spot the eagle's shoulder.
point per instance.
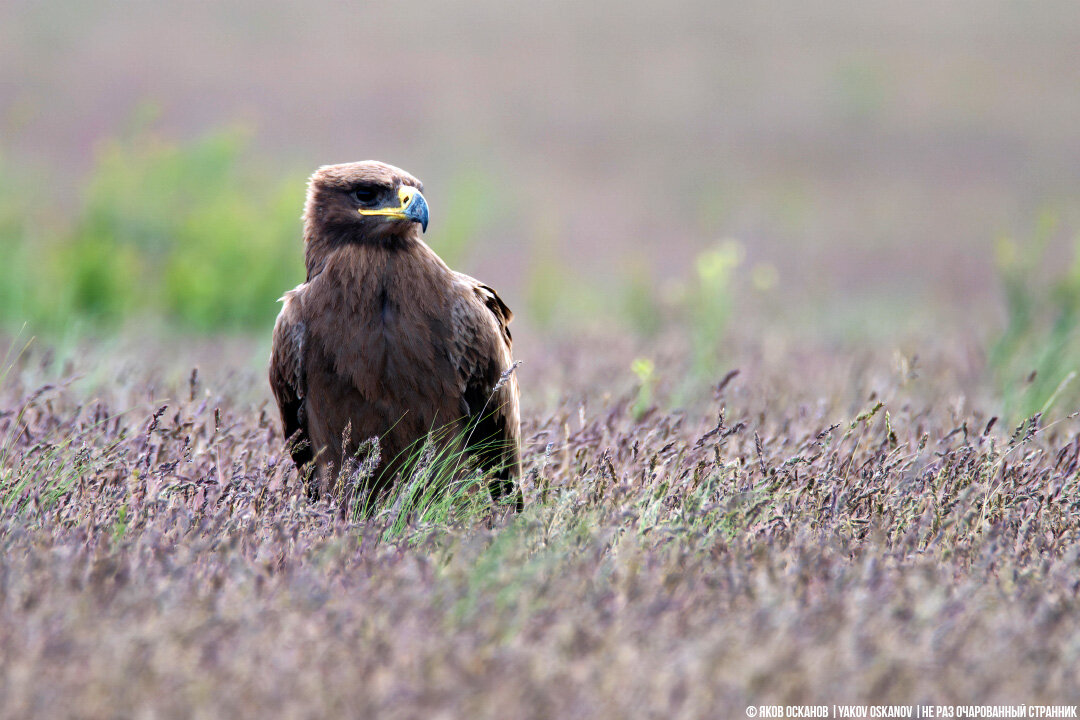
(477, 299)
(493, 302)
(481, 340)
(293, 296)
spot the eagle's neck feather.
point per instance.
(321, 244)
(375, 275)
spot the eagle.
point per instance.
(383, 340)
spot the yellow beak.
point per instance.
(411, 206)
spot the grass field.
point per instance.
(836, 522)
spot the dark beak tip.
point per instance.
(418, 210)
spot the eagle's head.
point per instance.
(363, 202)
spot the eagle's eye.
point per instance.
(365, 195)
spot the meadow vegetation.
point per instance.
(829, 523)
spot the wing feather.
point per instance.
(485, 373)
(287, 376)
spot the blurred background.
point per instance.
(832, 168)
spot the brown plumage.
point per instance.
(383, 339)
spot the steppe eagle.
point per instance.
(383, 339)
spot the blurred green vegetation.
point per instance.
(191, 233)
(195, 235)
(473, 201)
(1036, 358)
(699, 307)
(708, 303)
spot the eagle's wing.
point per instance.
(287, 376)
(486, 379)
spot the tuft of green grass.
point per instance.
(1036, 358)
(708, 303)
(437, 482)
(645, 370)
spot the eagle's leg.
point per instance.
(299, 447)
(309, 474)
(498, 458)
